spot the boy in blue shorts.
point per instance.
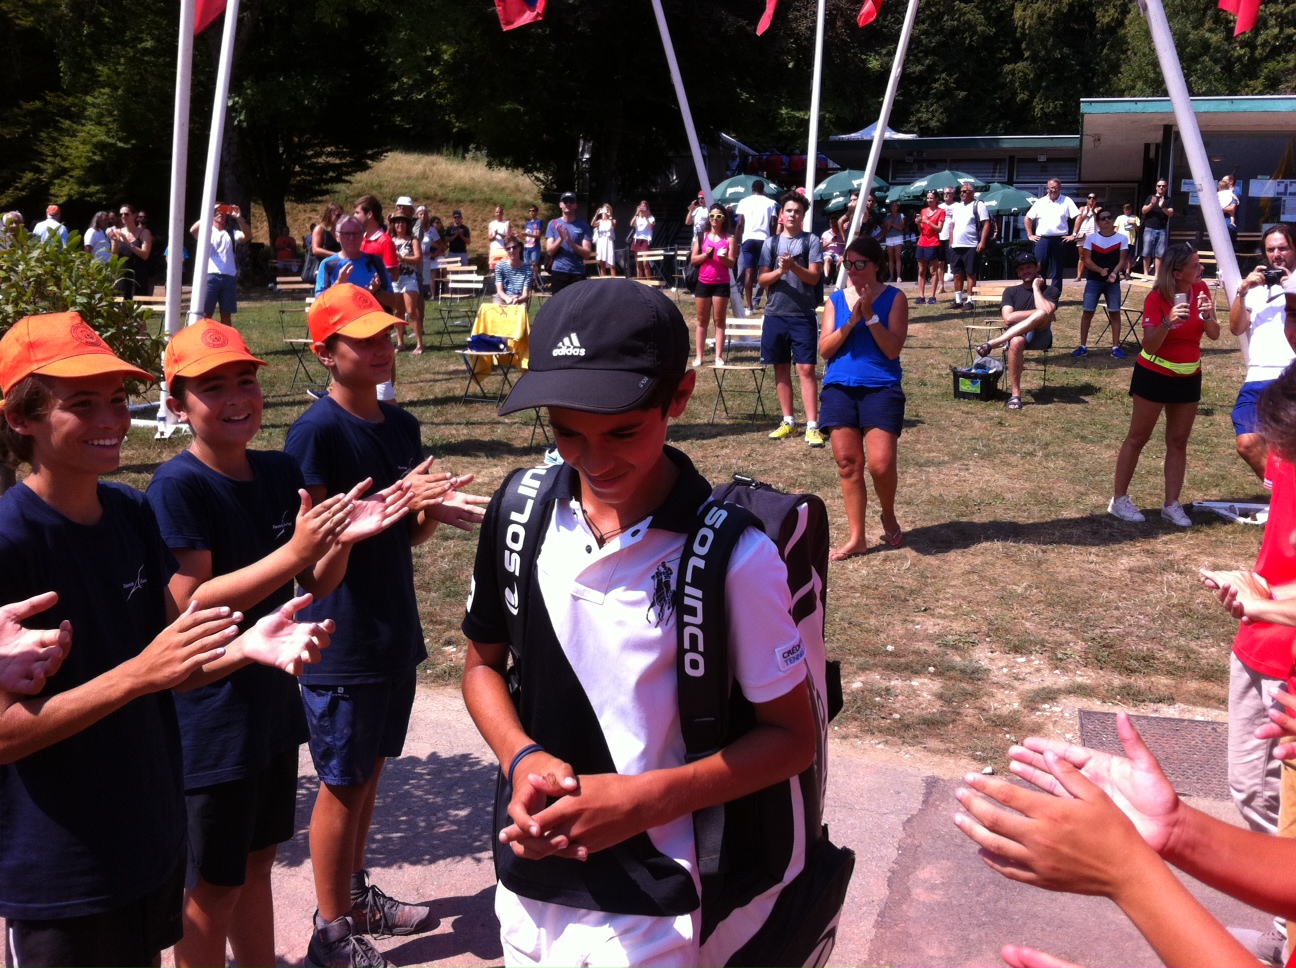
(91, 786)
(242, 528)
(358, 704)
(598, 864)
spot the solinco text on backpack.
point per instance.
(515, 536)
(694, 639)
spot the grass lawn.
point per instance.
(1015, 599)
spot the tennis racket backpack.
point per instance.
(746, 848)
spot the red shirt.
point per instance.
(1263, 646)
(1183, 343)
(928, 236)
(381, 245)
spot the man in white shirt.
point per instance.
(52, 225)
(222, 269)
(969, 235)
(754, 215)
(1260, 310)
(1048, 225)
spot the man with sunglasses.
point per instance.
(969, 235)
(1028, 310)
(1048, 224)
(569, 241)
(1157, 212)
(1104, 257)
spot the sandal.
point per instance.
(984, 350)
(1014, 403)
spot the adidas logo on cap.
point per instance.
(570, 346)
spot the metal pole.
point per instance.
(879, 135)
(812, 149)
(213, 161)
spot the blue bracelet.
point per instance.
(522, 754)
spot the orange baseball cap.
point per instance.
(348, 310)
(204, 345)
(58, 344)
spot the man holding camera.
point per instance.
(1261, 309)
(222, 266)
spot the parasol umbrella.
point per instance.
(1006, 201)
(939, 180)
(843, 183)
(735, 189)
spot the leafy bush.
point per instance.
(49, 277)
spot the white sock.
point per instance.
(812, 425)
(790, 421)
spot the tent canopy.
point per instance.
(869, 133)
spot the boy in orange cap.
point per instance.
(243, 528)
(358, 702)
(91, 869)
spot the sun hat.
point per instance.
(59, 345)
(602, 348)
(349, 310)
(202, 346)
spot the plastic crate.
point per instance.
(970, 384)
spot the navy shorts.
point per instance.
(749, 254)
(222, 290)
(964, 262)
(134, 933)
(709, 290)
(352, 726)
(789, 339)
(861, 408)
(228, 821)
(928, 253)
(1095, 289)
(1244, 411)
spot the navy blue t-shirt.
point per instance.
(233, 727)
(98, 819)
(379, 635)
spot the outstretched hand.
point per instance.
(376, 513)
(28, 657)
(319, 526)
(1135, 782)
(459, 510)
(278, 640)
(1238, 591)
(1283, 724)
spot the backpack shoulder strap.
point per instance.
(524, 511)
(702, 659)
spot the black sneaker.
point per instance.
(381, 916)
(339, 944)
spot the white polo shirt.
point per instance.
(1269, 353)
(1053, 218)
(756, 212)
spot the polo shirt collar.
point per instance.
(677, 513)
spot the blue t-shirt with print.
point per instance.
(366, 267)
(790, 296)
(232, 728)
(534, 229)
(96, 820)
(566, 259)
(379, 636)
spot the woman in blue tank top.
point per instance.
(862, 405)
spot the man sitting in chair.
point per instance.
(1028, 310)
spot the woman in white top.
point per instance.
(406, 280)
(498, 229)
(605, 241)
(97, 242)
(1086, 224)
(893, 228)
(643, 224)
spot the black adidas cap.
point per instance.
(602, 347)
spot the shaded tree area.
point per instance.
(322, 88)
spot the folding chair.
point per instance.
(459, 304)
(302, 349)
(741, 354)
(1132, 298)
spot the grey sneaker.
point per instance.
(1175, 514)
(339, 944)
(381, 916)
(1267, 946)
(1123, 508)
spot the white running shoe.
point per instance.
(1122, 507)
(1175, 514)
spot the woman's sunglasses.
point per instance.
(859, 265)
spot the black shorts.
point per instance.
(558, 281)
(964, 262)
(1160, 388)
(134, 933)
(228, 821)
(708, 290)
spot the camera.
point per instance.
(1272, 277)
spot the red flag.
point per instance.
(206, 13)
(1246, 12)
(868, 13)
(766, 20)
(515, 13)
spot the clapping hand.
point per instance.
(279, 641)
(1238, 591)
(376, 513)
(28, 657)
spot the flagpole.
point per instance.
(166, 422)
(208, 209)
(812, 148)
(879, 134)
(1198, 162)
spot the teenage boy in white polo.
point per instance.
(598, 864)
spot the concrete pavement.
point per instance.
(920, 895)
